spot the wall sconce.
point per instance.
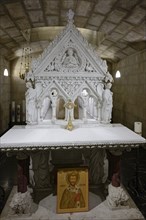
(118, 74)
(6, 67)
(6, 73)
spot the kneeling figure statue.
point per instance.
(117, 197)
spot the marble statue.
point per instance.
(21, 203)
(117, 197)
(107, 104)
(31, 110)
(70, 59)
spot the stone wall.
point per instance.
(18, 87)
(129, 91)
(4, 95)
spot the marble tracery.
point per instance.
(69, 66)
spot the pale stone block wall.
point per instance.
(17, 85)
(129, 91)
(4, 95)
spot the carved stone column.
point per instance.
(95, 111)
(114, 157)
(99, 111)
(94, 159)
(40, 167)
(39, 115)
(96, 166)
(66, 114)
(85, 106)
(53, 111)
(85, 112)
(23, 172)
(54, 96)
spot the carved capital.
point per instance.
(116, 152)
(21, 156)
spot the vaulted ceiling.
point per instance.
(116, 27)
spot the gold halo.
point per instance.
(72, 173)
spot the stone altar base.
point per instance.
(98, 210)
(39, 194)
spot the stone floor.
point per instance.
(98, 210)
(8, 176)
(133, 172)
(133, 176)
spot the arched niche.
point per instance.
(92, 107)
(88, 102)
(46, 109)
(60, 109)
(76, 109)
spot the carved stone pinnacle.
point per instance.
(70, 16)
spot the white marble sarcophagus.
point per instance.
(68, 71)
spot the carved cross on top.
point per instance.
(70, 16)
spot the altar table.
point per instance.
(41, 142)
(101, 136)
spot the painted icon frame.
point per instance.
(72, 190)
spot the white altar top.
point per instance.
(101, 136)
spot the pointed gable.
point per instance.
(71, 62)
(69, 53)
(69, 69)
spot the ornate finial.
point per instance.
(70, 16)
